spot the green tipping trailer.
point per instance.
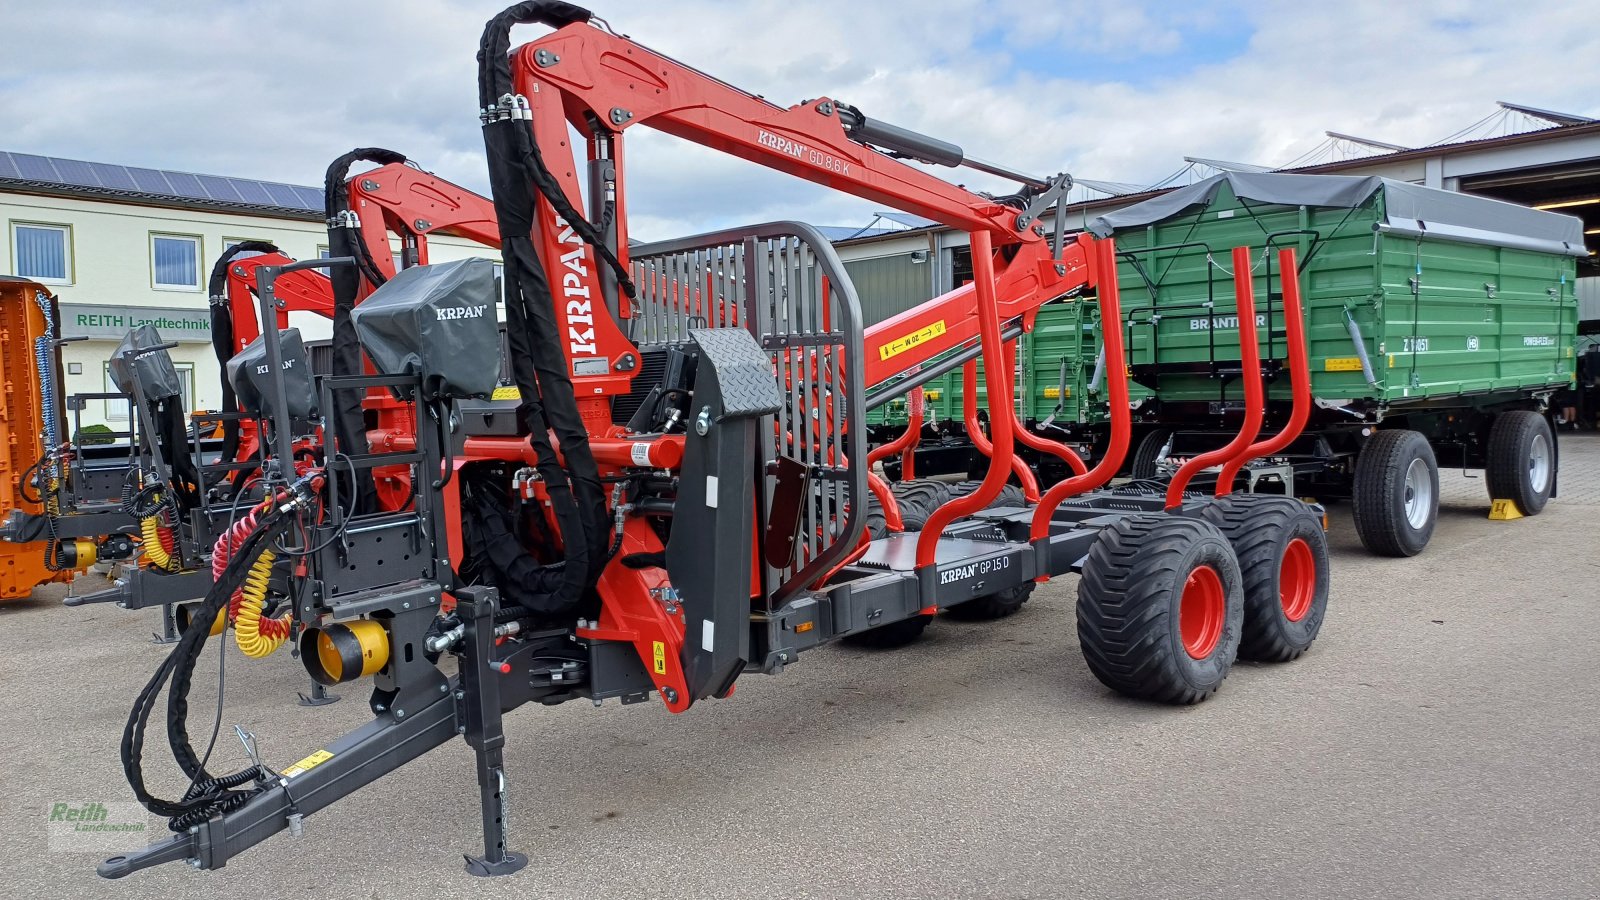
(1438, 324)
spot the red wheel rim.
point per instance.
(1201, 610)
(1297, 580)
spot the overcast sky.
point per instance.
(1117, 91)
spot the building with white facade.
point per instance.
(121, 246)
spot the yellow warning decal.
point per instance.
(507, 392)
(1052, 393)
(1342, 364)
(307, 764)
(661, 658)
(901, 345)
(931, 395)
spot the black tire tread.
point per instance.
(1505, 474)
(1143, 464)
(1125, 603)
(1251, 523)
(1010, 495)
(1378, 475)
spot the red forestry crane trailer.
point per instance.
(678, 492)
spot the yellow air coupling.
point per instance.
(344, 651)
(184, 614)
(78, 554)
(247, 623)
(150, 531)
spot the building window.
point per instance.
(175, 262)
(322, 252)
(42, 252)
(230, 243)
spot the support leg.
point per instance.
(481, 695)
(319, 696)
(169, 625)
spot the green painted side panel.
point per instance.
(1437, 318)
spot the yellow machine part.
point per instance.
(344, 651)
(22, 566)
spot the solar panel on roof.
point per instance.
(186, 185)
(158, 182)
(310, 198)
(35, 168)
(114, 177)
(150, 181)
(251, 191)
(281, 194)
(73, 172)
(219, 188)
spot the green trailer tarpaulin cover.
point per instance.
(1409, 209)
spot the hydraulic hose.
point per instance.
(349, 433)
(251, 631)
(43, 360)
(207, 795)
(518, 180)
(222, 343)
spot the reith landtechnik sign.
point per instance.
(112, 323)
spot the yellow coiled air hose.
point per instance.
(247, 630)
(150, 531)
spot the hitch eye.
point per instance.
(344, 651)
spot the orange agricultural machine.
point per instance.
(58, 509)
(27, 360)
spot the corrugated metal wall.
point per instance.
(890, 284)
(1588, 290)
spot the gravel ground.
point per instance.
(1440, 740)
